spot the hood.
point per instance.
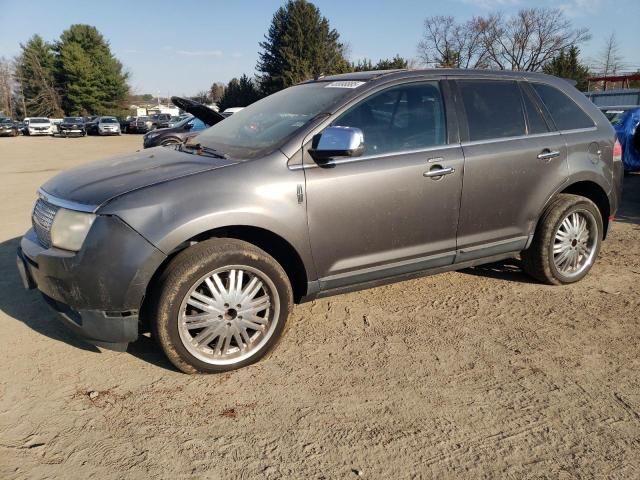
(198, 110)
(96, 183)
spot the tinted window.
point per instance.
(494, 109)
(402, 118)
(565, 113)
(536, 122)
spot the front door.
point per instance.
(393, 210)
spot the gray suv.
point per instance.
(336, 184)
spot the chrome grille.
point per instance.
(42, 219)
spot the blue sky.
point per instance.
(181, 47)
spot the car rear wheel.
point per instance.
(567, 241)
(220, 305)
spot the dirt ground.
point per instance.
(477, 374)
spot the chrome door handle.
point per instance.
(548, 155)
(439, 172)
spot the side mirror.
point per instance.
(337, 142)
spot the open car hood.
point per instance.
(198, 110)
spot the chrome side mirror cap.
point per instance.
(337, 142)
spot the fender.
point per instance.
(261, 193)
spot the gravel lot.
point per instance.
(480, 373)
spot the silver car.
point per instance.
(336, 184)
(108, 126)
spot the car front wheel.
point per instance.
(220, 305)
(567, 241)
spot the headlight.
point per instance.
(151, 135)
(70, 228)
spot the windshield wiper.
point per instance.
(199, 149)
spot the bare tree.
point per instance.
(6, 88)
(446, 43)
(525, 41)
(609, 60)
(47, 100)
(529, 39)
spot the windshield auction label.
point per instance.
(345, 84)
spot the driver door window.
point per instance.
(404, 118)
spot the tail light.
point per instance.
(617, 152)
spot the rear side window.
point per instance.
(494, 108)
(564, 111)
(535, 119)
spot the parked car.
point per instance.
(124, 123)
(171, 122)
(108, 126)
(230, 111)
(38, 126)
(336, 184)
(615, 113)
(72, 126)
(202, 117)
(141, 125)
(159, 118)
(8, 128)
(91, 125)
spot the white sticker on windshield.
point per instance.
(345, 84)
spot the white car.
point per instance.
(230, 111)
(38, 126)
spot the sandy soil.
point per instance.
(480, 373)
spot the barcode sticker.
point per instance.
(345, 84)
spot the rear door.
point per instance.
(514, 160)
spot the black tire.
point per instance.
(538, 259)
(188, 268)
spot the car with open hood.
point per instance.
(200, 118)
(336, 184)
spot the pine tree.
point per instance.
(92, 79)
(299, 45)
(567, 65)
(35, 72)
(239, 93)
(394, 63)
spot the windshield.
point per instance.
(73, 119)
(264, 125)
(39, 120)
(5, 120)
(108, 120)
(143, 119)
(182, 122)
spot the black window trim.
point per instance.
(537, 96)
(546, 118)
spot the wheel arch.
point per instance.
(273, 244)
(595, 193)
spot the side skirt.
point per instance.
(314, 287)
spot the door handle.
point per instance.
(547, 154)
(438, 171)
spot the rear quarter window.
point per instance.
(493, 108)
(566, 114)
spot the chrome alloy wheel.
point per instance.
(575, 243)
(228, 315)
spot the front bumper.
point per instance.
(99, 290)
